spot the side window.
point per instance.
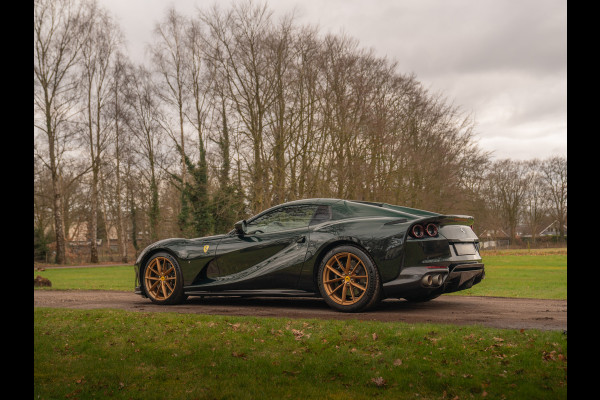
(322, 214)
(282, 219)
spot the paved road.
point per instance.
(497, 312)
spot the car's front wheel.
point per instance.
(348, 279)
(163, 281)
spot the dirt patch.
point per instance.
(497, 312)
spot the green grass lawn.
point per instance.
(118, 354)
(524, 276)
(120, 277)
(508, 274)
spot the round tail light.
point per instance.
(418, 231)
(431, 229)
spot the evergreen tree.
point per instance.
(40, 244)
(195, 218)
(227, 206)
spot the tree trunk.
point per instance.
(93, 231)
(58, 222)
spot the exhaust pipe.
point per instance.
(427, 280)
(433, 280)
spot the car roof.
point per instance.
(368, 207)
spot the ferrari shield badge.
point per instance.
(205, 248)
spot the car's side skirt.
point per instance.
(257, 293)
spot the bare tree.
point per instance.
(507, 181)
(536, 202)
(169, 55)
(235, 43)
(143, 122)
(61, 27)
(97, 56)
(118, 84)
(554, 170)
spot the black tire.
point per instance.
(162, 280)
(421, 299)
(360, 276)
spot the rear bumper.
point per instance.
(455, 277)
(463, 277)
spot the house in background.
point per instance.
(492, 238)
(78, 236)
(552, 229)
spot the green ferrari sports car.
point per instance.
(350, 253)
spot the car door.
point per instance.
(270, 254)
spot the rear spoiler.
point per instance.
(449, 220)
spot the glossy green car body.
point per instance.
(285, 261)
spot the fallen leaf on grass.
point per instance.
(397, 362)
(379, 381)
(239, 355)
(297, 334)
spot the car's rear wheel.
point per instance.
(348, 279)
(163, 281)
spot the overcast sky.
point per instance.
(502, 61)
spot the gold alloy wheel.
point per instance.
(160, 278)
(345, 278)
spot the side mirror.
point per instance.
(240, 227)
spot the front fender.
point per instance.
(144, 254)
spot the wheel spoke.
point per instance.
(163, 289)
(153, 278)
(344, 292)
(151, 268)
(334, 271)
(356, 285)
(338, 262)
(348, 263)
(354, 269)
(336, 289)
(333, 280)
(359, 276)
(169, 271)
(151, 288)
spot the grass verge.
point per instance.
(522, 276)
(122, 355)
(97, 278)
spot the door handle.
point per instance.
(301, 239)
